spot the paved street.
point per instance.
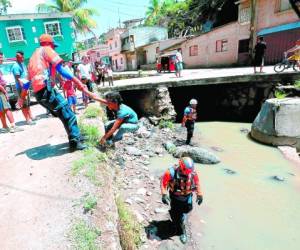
(35, 191)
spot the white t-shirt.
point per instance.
(109, 72)
(85, 70)
(178, 57)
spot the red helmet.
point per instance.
(186, 165)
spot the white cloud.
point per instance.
(24, 6)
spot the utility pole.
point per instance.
(253, 24)
(119, 18)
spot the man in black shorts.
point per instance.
(259, 51)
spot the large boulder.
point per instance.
(199, 155)
(278, 123)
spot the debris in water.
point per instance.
(229, 171)
(278, 178)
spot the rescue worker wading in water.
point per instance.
(181, 181)
(41, 66)
(189, 118)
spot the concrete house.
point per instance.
(135, 38)
(113, 41)
(229, 44)
(22, 31)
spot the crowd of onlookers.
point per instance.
(90, 75)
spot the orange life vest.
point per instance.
(181, 184)
(192, 116)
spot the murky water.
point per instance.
(247, 210)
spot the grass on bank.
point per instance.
(93, 111)
(89, 163)
(91, 132)
(279, 94)
(84, 236)
(129, 228)
(166, 124)
(297, 84)
(90, 203)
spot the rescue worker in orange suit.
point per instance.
(40, 69)
(181, 181)
(189, 118)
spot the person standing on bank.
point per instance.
(260, 49)
(189, 118)
(43, 59)
(181, 181)
(85, 70)
(178, 63)
(19, 71)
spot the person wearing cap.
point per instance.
(42, 62)
(180, 181)
(189, 118)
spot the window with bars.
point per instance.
(222, 45)
(194, 50)
(15, 34)
(53, 28)
(244, 15)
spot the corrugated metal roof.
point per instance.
(279, 28)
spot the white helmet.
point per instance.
(193, 102)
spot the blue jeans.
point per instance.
(58, 106)
(124, 128)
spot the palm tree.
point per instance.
(153, 12)
(82, 17)
(4, 4)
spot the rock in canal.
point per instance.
(133, 151)
(199, 155)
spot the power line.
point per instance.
(129, 5)
(116, 12)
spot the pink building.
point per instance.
(98, 53)
(113, 41)
(229, 44)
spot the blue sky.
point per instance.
(108, 10)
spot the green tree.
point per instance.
(153, 12)
(4, 4)
(82, 17)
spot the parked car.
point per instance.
(166, 62)
(10, 81)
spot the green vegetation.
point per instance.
(166, 124)
(297, 84)
(90, 203)
(129, 228)
(91, 132)
(82, 16)
(85, 236)
(279, 94)
(4, 5)
(93, 111)
(183, 17)
(89, 164)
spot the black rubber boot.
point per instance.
(183, 236)
(76, 145)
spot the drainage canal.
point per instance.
(226, 102)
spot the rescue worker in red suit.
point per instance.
(189, 118)
(181, 181)
(42, 64)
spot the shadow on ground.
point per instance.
(160, 230)
(46, 151)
